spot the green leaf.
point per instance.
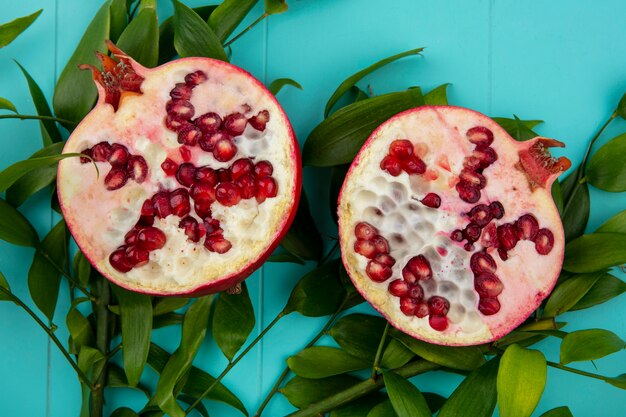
(524, 335)
(167, 319)
(140, 39)
(168, 304)
(16, 171)
(4, 284)
(80, 330)
(119, 13)
(193, 36)
(124, 412)
(193, 333)
(337, 177)
(228, 15)
(323, 361)
(279, 83)
(116, 378)
(465, 358)
(558, 412)
(595, 252)
(49, 131)
(15, 228)
(35, 180)
(605, 288)
(438, 96)
(197, 381)
(301, 392)
(7, 105)
(359, 407)
(286, 257)
(318, 293)
(557, 196)
(606, 169)
(136, 322)
(384, 409)
(166, 33)
(338, 138)
(521, 381)
(82, 269)
(349, 82)
(406, 399)
(576, 215)
(586, 345)
(303, 239)
(476, 395)
(43, 277)
(618, 381)
(616, 224)
(568, 293)
(11, 30)
(275, 6)
(520, 130)
(75, 92)
(621, 107)
(233, 321)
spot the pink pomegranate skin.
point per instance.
(90, 123)
(538, 181)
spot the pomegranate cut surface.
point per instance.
(476, 239)
(167, 215)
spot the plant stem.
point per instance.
(62, 271)
(379, 352)
(285, 372)
(101, 310)
(234, 362)
(576, 371)
(83, 378)
(361, 389)
(243, 32)
(33, 117)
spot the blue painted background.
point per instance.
(560, 61)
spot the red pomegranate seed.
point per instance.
(421, 310)
(472, 179)
(186, 174)
(488, 285)
(472, 163)
(137, 168)
(456, 235)
(101, 152)
(266, 188)
(481, 262)
(398, 288)
(181, 91)
(212, 227)
(508, 236)
(263, 169)
(408, 305)
(259, 121)
(527, 225)
(190, 226)
(228, 194)
(544, 241)
(180, 109)
(185, 153)
(206, 175)
(202, 191)
(437, 322)
(174, 123)
(151, 239)
(147, 209)
(241, 167)
(488, 306)
(468, 246)
(381, 244)
(408, 275)
(489, 238)
(416, 291)
(480, 214)
(377, 271)
(194, 78)
(472, 232)
(161, 203)
(438, 306)
(130, 238)
(209, 122)
(401, 149)
(119, 154)
(224, 150)
(217, 244)
(88, 153)
(468, 193)
(486, 155)
(247, 184)
(207, 142)
(223, 175)
(137, 257)
(497, 210)
(169, 167)
(179, 201)
(420, 267)
(365, 231)
(391, 165)
(414, 165)
(385, 259)
(503, 255)
(203, 208)
(365, 248)
(235, 124)
(480, 135)
(189, 135)
(115, 179)
(118, 260)
(431, 200)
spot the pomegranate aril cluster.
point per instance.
(480, 217)
(401, 157)
(124, 165)
(209, 131)
(486, 283)
(471, 178)
(374, 247)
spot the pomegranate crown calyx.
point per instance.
(539, 165)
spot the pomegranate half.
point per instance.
(199, 175)
(447, 225)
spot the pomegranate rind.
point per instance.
(439, 132)
(73, 179)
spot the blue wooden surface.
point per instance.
(560, 61)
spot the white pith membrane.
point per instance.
(391, 205)
(99, 218)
